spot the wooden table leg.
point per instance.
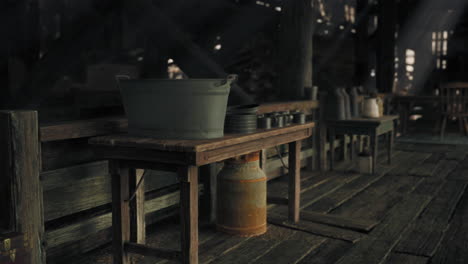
(294, 180)
(332, 147)
(374, 142)
(137, 206)
(189, 214)
(390, 146)
(120, 211)
(345, 148)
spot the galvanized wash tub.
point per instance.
(176, 109)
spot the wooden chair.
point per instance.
(454, 104)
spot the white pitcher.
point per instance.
(370, 108)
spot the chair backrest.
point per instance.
(454, 98)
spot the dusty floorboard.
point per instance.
(412, 211)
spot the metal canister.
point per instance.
(241, 202)
(299, 118)
(278, 120)
(264, 122)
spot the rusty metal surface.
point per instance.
(241, 204)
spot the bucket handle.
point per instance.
(231, 78)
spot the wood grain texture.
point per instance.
(194, 145)
(316, 229)
(374, 202)
(399, 258)
(120, 211)
(56, 154)
(21, 176)
(294, 185)
(328, 252)
(356, 224)
(295, 49)
(189, 214)
(253, 248)
(137, 206)
(377, 246)
(292, 249)
(83, 128)
(152, 252)
(348, 191)
(424, 235)
(455, 241)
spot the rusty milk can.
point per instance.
(242, 200)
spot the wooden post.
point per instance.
(120, 211)
(189, 214)
(294, 198)
(137, 207)
(208, 176)
(295, 48)
(322, 130)
(386, 45)
(362, 43)
(20, 187)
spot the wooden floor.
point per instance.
(414, 211)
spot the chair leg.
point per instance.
(461, 126)
(465, 122)
(442, 130)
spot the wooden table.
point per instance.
(372, 127)
(184, 156)
(405, 104)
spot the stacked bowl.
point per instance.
(241, 119)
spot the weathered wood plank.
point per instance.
(189, 214)
(254, 248)
(399, 258)
(453, 246)
(314, 194)
(377, 246)
(349, 190)
(444, 168)
(56, 154)
(460, 174)
(83, 128)
(327, 252)
(456, 155)
(429, 186)
(423, 236)
(87, 194)
(403, 167)
(374, 202)
(87, 185)
(152, 252)
(93, 232)
(316, 229)
(292, 249)
(294, 181)
(71, 176)
(339, 221)
(20, 165)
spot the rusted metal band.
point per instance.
(241, 228)
(254, 156)
(245, 181)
